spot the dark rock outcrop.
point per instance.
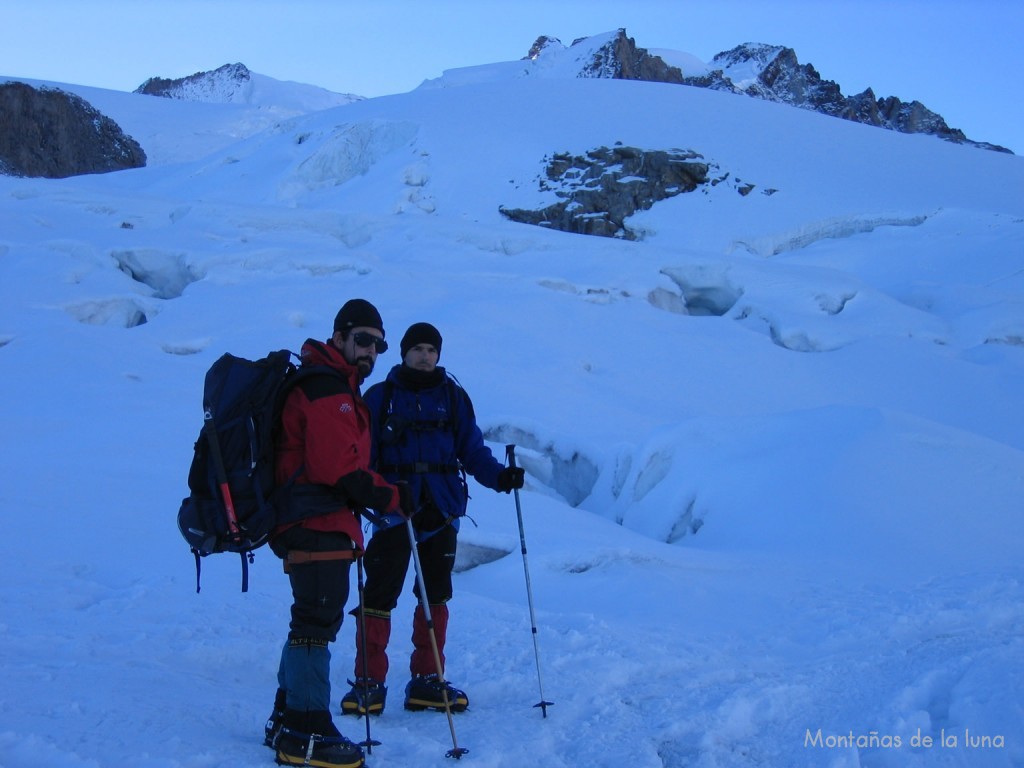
(49, 133)
(597, 191)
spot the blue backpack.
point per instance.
(234, 502)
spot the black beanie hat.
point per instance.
(358, 313)
(421, 333)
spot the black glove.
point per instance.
(511, 478)
(405, 500)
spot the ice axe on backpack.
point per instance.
(510, 453)
(222, 476)
(234, 531)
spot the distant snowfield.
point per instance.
(774, 449)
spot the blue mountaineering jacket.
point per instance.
(425, 432)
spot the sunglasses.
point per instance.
(367, 340)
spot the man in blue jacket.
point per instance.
(425, 434)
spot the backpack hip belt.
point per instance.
(300, 557)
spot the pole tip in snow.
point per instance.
(544, 706)
(457, 753)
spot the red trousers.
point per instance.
(378, 634)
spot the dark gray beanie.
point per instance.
(358, 313)
(421, 333)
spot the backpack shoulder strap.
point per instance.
(388, 391)
(452, 386)
(298, 377)
(306, 375)
(455, 392)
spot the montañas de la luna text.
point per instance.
(879, 740)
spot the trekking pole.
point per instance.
(510, 453)
(456, 751)
(369, 743)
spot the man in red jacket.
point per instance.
(325, 445)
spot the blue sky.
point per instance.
(961, 63)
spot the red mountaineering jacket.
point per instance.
(325, 431)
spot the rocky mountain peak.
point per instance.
(228, 83)
(621, 59)
(773, 72)
(759, 54)
(236, 84)
(542, 44)
(613, 55)
(759, 70)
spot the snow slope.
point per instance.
(774, 449)
(178, 130)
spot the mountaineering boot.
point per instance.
(310, 738)
(366, 696)
(273, 725)
(427, 692)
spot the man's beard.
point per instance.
(365, 366)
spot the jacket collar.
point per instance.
(417, 381)
(324, 353)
